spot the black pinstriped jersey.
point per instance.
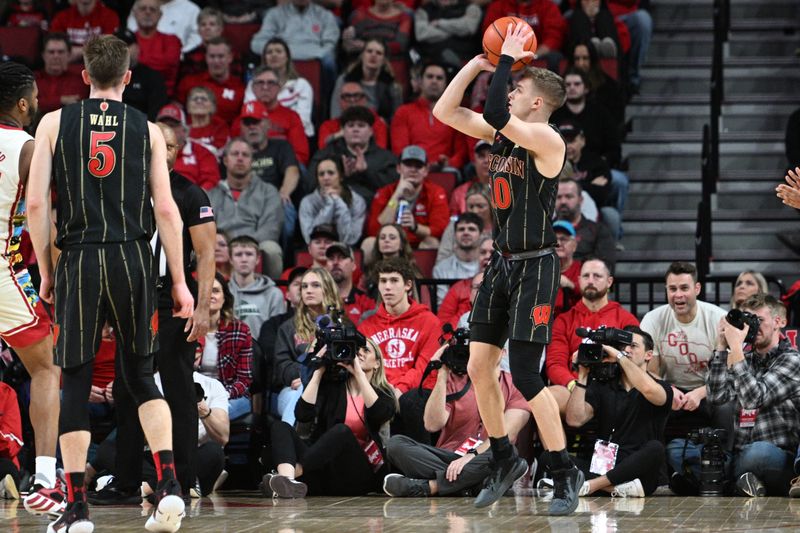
(522, 199)
(101, 167)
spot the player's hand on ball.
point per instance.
(514, 43)
(183, 305)
(483, 63)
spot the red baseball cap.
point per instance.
(254, 109)
(172, 112)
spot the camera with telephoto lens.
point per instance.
(738, 318)
(712, 459)
(456, 355)
(342, 340)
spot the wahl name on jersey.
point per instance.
(508, 164)
(103, 120)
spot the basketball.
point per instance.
(494, 36)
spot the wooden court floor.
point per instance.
(248, 512)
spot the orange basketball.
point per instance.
(494, 36)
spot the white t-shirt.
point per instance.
(684, 350)
(216, 398)
(208, 363)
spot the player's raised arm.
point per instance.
(449, 110)
(522, 116)
(38, 199)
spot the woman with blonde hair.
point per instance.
(318, 296)
(348, 406)
(748, 283)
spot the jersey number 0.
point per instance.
(102, 158)
(501, 192)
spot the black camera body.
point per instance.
(342, 340)
(738, 318)
(456, 355)
(712, 459)
(591, 353)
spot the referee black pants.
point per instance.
(175, 362)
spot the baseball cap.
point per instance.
(339, 248)
(415, 153)
(254, 109)
(480, 145)
(172, 112)
(325, 230)
(563, 225)
(126, 36)
(569, 131)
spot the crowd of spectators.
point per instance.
(356, 169)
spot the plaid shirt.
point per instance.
(769, 383)
(235, 363)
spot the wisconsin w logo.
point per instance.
(540, 315)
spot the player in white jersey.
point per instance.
(24, 323)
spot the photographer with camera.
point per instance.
(759, 371)
(460, 459)
(344, 421)
(594, 310)
(318, 293)
(631, 412)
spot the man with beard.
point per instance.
(341, 264)
(594, 240)
(24, 323)
(763, 379)
(594, 310)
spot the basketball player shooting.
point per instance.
(518, 292)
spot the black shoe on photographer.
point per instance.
(749, 485)
(504, 473)
(113, 494)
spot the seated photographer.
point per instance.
(318, 295)
(408, 334)
(226, 352)
(213, 429)
(631, 411)
(460, 460)
(346, 407)
(760, 372)
(592, 311)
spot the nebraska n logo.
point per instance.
(540, 315)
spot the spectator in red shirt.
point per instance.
(159, 51)
(205, 127)
(342, 266)
(285, 123)
(194, 162)
(385, 20)
(414, 123)
(594, 310)
(82, 20)
(568, 292)
(352, 94)
(10, 442)
(228, 89)
(545, 19)
(26, 13)
(426, 214)
(58, 85)
(210, 25)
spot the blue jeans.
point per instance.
(238, 407)
(287, 399)
(770, 464)
(640, 24)
(289, 223)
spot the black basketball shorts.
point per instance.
(113, 282)
(516, 300)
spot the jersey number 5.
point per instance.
(501, 192)
(102, 158)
